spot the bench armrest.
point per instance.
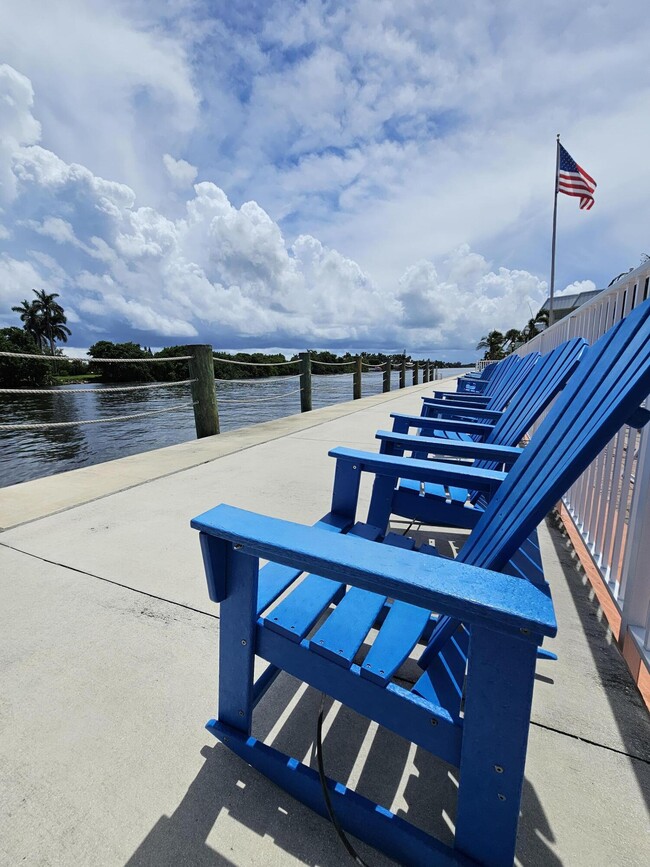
(474, 595)
(402, 424)
(448, 407)
(460, 397)
(460, 475)
(449, 448)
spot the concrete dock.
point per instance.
(108, 672)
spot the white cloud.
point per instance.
(181, 172)
(578, 286)
(111, 89)
(467, 300)
(54, 227)
(227, 274)
(365, 143)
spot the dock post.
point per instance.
(427, 370)
(416, 371)
(204, 394)
(356, 379)
(402, 373)
(305, 381)
(386, 385)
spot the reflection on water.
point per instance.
(34, 453)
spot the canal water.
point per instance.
(31, 454)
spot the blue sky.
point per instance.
(375, 175)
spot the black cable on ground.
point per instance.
(352, 852)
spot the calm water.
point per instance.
(31, 454)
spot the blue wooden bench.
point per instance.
(490, 445)
(488, 384)
(475, 625)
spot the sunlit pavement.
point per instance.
(108, 654)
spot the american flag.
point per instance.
(574, 181)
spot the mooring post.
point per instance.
(425, 375)
(402, 373)
(356, 379)
(204, 394)
(386, 385)
(416, 370)
(305, 381)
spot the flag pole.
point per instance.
(552, 288)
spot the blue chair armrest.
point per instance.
(460, 475)
(450, 448)
(474, 595)
(403, 423)
(460, 397)
(448, 407)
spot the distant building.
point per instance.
(565, 304)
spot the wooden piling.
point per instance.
(356, 379)
(386, 385)
(305, 381)
(204, 395)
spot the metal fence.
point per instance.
(609, 505)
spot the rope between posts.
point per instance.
(115, 389)
(43, 425)
(258, 399)
(261, 380)
(256, 363)
(93, 360)
(333, 363)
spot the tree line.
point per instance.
(497, 344)
(44, 323)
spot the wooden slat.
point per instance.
(345, 630)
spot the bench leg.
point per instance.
(499, 693)
(237, 640)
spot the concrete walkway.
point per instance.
(108, 662)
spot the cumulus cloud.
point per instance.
(182, 173)
(466, 300)
(578, 286)
(220, 273)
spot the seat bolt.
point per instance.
(354, 466)
(238, 546)
(501, 797)
(244, 642)
(525, 631)
(434, 722)
(498, 769)
(241, 713)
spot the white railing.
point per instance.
(609, 503)
(444, 372)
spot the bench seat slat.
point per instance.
(344, 631)
(397, 637)
(298, 613)
(275, 578)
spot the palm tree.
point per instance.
(32, 321)
(512, 338)
(493, 345)
(531, 329)
(53, 317)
